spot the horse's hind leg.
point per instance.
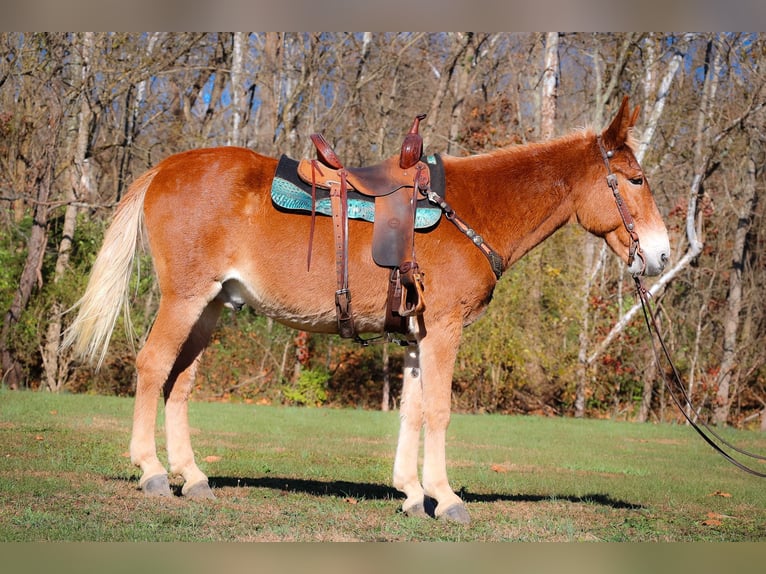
(177, 391)
(156, 363)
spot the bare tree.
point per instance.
(81, 183)
(46, 113)
(744, 198)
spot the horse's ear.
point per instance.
(617, 132)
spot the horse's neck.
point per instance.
(527, 192)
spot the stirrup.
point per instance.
(413, 301)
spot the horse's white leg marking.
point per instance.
(438, 351)
(180, 454)
(408, 446)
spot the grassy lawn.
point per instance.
(304, 474)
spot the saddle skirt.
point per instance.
(290, 192)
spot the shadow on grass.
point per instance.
(368, 491)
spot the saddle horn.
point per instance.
(412, 146)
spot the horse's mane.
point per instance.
(573, 136)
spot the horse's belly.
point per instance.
(299, 305)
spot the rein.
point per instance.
(676, 389)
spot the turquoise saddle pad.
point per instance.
(291, 193)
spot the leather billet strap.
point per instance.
(339, 202)
(627, 219)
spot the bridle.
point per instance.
(627, 219)
(678, 394)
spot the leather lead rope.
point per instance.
(678, 394)
(703, 429)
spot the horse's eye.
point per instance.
(636, 180)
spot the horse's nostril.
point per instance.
(664, 258)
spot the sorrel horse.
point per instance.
(217, 241)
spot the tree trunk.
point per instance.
(31, 275)
(56, 366)
(659, 97)
(728, 373)
(237, 93)
(581, 388)
(550, 86)
(385, 403)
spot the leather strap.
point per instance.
(627, 219)
(315, 170)
(325, 153)
(494, 258)
(681, 398)
(339, 202)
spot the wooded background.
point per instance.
(83, 114)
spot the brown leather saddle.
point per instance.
(396, 185)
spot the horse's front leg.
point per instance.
(407, 449)
(438, 350)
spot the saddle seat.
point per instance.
(376, 180)
(395, 183)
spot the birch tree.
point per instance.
(550, 86)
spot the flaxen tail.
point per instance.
(109, 283)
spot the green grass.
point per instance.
(308, 474)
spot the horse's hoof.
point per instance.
(198, 491)
(417, 510)
(157, 485)
(456, 513)
(425, 508)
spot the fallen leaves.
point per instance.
(212, 458)
(720, 493)
(714, 519)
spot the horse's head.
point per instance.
(613, 152)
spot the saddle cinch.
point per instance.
(396, 185)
